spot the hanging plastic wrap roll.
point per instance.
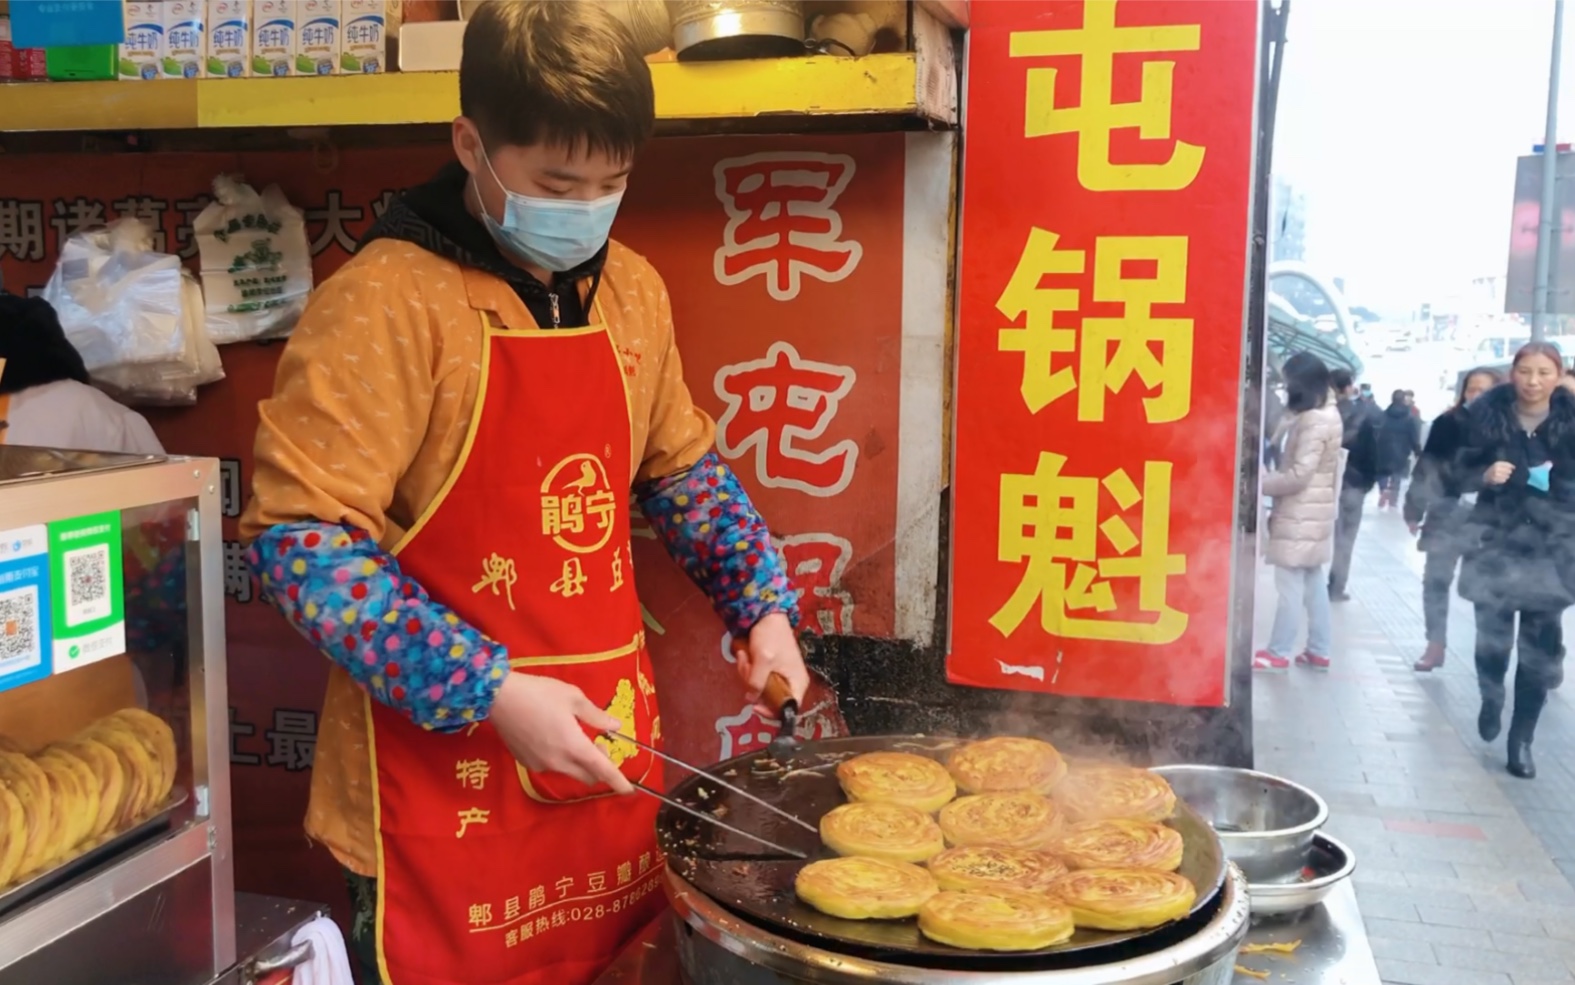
(255, 261)
(134, 314)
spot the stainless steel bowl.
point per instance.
(1265, 822)
(1331, 864)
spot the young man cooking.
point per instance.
(441, 505)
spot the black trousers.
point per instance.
(1346, 525)
(1438, 576)
(1540, 647)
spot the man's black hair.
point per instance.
(34, 346)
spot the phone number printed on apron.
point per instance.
(519, 923)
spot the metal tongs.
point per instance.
(778, 694)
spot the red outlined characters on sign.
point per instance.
(816, 564)
(778, 406)
(782, 221)
(750, 730)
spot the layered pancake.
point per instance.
(995, 921)
(1007, 765)
(31, 787)
(897, 778)
(1102, 793)
(109, 776)
(13, 836)
(984, 869)
(76, 791)
(141, 773)
(1120, 844)
(864, 888)
(159, 739)
(885, 831)
(1001, 820)
(1124, 899)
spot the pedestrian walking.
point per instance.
(1433, 507)
(1520, 453)
(1302, 517)
(1399, 437)
(1359, 421)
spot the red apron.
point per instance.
(490, 874)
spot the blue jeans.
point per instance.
(1300, 588)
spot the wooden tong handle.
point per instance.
(777, 694)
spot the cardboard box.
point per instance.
(317, 37)
(363, 37)
(229, 39)
(185, 40)
(273, 37)
(142, 53)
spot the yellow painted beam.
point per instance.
(882, 85)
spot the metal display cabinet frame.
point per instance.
(153, 904)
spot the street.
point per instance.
(1464, 873)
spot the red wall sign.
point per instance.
(783, 257)
(1107, 175)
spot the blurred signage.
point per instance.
(1524, 217)
(1106, 189)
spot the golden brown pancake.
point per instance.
(864, 888)
(1120, 844)
(140, 770)
(159, 739)
(987, 870)
(897, 778)
(995, 921)
(31, 787)
(109, 775)
(885, 831)
(1002, 820)
(1102, 793)
(1124, 899)
(1007, 765)
(13, 836)
(78, 791)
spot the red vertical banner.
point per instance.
(1107, 180)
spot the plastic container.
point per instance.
(75, 63)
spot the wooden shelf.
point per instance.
(893, 85)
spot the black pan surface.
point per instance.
(722, 865)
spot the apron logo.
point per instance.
(469, 816)
(495, 571)
(578, 504)
(572, 581)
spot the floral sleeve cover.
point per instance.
(348, 596)
(705, 520)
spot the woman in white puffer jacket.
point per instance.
(1301, 521)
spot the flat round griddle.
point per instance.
(728, 868)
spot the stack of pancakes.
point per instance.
(1030, 853)
(66, 798)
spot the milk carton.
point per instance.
(185, 41)
(273, 37)
(363, 36)
(142, 53)
(229, 38)
(317, 37)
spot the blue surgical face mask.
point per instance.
(554, 234)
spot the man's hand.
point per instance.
(1415, 528)
(771, 647)
(1498, 473)
(540, 720)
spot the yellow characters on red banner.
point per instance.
(1097, 43)
(1051, 522)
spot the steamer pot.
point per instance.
(715, 29)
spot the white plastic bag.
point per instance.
(118, 301)
(255, 261)
(171, 382)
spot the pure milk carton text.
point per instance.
(142, 53)
(363, 32)
(317, 37)
(273, 37)
(229, 38)
(185, 41)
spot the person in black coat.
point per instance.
(1399, 437)
(1520, 557)
(1432, 506)
(1360, 420)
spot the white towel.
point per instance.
(329, 963)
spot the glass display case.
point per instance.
(115, 848)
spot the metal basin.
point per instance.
(1265, 822)
(1331, 864)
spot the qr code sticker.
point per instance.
(87, 584)
(19, 642)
